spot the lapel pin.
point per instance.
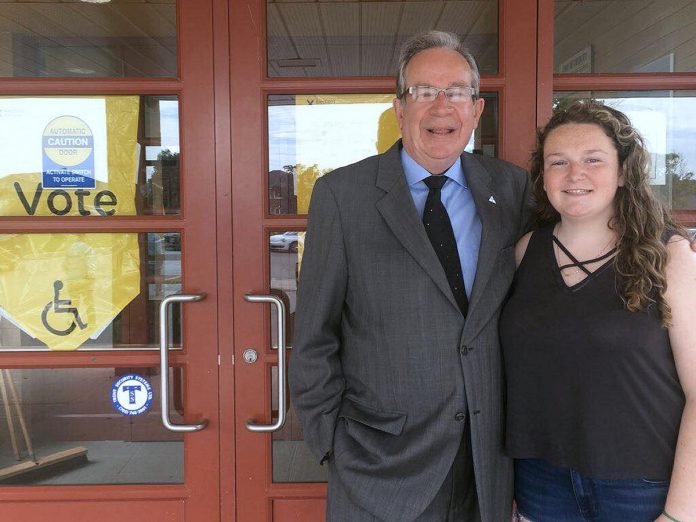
(492, 200)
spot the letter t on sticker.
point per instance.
(131, 392)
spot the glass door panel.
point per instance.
(63, 429)
(362, 38)
(89, 156)
(99, 38)
(87, 291)
(624, 36)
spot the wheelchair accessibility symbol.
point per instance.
(61, 306)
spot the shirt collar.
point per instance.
(415, 173)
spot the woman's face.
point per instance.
(581, 171)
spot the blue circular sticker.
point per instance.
(131, 394)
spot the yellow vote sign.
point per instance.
(68, 156)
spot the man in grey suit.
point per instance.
(396, 373)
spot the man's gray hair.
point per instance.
(430, 40)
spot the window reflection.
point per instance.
(58, 38)
(65, 429)
(362, 38)
(310, 135)
(159, 161)
(286, 247)
(624, 36)
(667, 123)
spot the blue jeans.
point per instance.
(546, 493)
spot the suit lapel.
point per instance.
(480, 183)
(400, 214)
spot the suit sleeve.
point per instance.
(315, 373)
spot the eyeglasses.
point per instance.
(428, 93)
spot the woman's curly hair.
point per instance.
(641, 220)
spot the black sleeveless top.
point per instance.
(590, 385)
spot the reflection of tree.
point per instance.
(681, 179)
(162, 188)
(281, 191)
(306, 178)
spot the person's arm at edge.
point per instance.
(315, 374)
(681, 297)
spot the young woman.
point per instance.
(599, 335)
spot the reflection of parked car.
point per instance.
(285, 242)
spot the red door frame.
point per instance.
(258, 499)
(197, 499)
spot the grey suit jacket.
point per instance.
(383, 363)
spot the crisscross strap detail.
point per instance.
(580, 264)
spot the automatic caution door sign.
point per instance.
(74, 156)
(68, 159)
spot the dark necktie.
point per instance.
(439, 229)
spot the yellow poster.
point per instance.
(64, 288)
(68, 156)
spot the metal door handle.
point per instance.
(282, 399)
(164, 362)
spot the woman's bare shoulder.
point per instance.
(521, 247)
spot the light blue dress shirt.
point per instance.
(459, 203)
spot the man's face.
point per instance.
(435, 133)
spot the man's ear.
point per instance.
(478, 110)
